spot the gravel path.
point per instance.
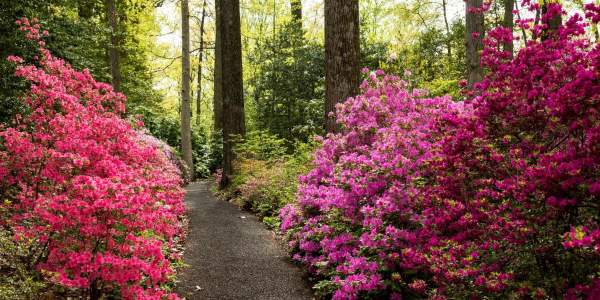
(231, 255)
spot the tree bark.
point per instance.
(474, 41)
(218, 73)
(113, 48)
(523, 33)
(233, 96)
(186, 134)
(296, 6)
(342, 52)
(552, 24)
(509, 23)
(448, 41)
(95, 292)
(200, 59)
(85, 10)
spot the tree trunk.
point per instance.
(474, 41)
(509, 23)
(536, 22)
(552, 23)
(233, 97)
(186, 134)
(448, 40)
(519, 18)
(296, 6)
(218, 73)
(95, 292)
(113, 48)
(85, 10)
(200, 59)
(342, 51)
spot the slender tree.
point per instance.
(594, 26)
(523, 33)
(186, 134)
(448, 38)
(296, 6)
(85, 10)
(233, 97)
(342, 51)
(551, 23)
(509, 23)
(218, 73)
(200, 60)
(474, 40)
(113, 47)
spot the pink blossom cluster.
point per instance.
(101, 200)
(493, 197)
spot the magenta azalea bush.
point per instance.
(496, 196)
(101, 202)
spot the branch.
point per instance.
(178, 57)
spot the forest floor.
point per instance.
(229, 254)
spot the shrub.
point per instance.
(18, 279)
(98, 202)
(494, 197)
(357, 200)
(266, 177)
(168, 129)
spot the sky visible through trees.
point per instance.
(313, 19)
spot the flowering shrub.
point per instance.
(100, 201)
(494, 197)
(359, 201)
(169, 153)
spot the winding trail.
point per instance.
(231, 255)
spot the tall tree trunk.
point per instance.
(519, 18)
(186, 134)
(113, 49)
(200, 59)
(342, 52)
(448, 40)
(296, 6)
(218, 73)
(233, 96)
(509, 23)
(594, 26)
(536, 22)
(552, 23)
(474, 41)
(95, 292)
(84, 10)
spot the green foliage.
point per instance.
(164, 127)
(10, 89)
(261, 145)
(373, 55)
(215, 154)
(10, 44)
(429, 62)
(266, 177)
(288, 85)
(206, 151)
(80, 35)
(18, 279)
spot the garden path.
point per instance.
(231, 255)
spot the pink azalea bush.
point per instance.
(101, 201)
(493, 197)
